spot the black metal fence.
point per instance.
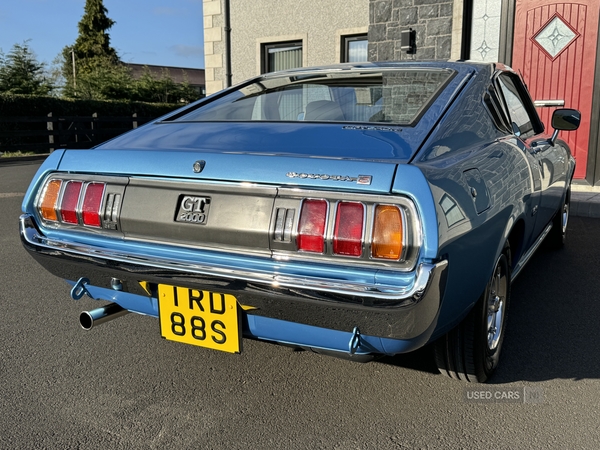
(45, 134)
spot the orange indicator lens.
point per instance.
(387, 233)
(47, 205)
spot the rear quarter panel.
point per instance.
(481, 188)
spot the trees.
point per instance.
(21, 73)
(99, 73)
(163, 89)
(102, 79)
(91, 66)
(93, 40)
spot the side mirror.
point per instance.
(564, 120)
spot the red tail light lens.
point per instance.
(92, 201)
(70, 200)
(311, 227)
(348, 233)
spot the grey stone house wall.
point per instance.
(431, 20)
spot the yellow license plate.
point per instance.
(206, 319)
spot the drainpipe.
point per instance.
(227, 29)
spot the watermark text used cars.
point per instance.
(526, 394)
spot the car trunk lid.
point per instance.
(198, 166)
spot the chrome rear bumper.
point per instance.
(328, 299)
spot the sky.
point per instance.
(154, 32)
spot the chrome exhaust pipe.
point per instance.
(87, 319)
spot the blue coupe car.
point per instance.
(354, 210)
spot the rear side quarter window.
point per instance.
(496, 109)
(522, 115)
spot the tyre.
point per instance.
(557, 235)
(471, 351)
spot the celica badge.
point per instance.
(360, 179)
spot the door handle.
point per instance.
(548, 103)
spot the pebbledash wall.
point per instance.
(320, 25)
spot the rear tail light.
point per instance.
(70, 202)
(387, 233)
(311, 227)
(76, 202)
(48, 201)
(92, 201)
(348, 232)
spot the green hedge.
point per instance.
(28, 134)
(35, 106)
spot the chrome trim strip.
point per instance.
(527, 256)
(424, 272)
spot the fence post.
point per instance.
(61, 135)
(95, 128)
(134, 120)
(50, 127)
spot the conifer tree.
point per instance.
(93, 40)
(92, 55)
(21, 73)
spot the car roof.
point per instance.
(458, 66)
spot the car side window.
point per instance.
(522, 122)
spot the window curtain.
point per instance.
(283, 58)
(357, 51)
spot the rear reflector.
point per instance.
(92, 201)
(69, 202)
(347, 236)
(47, 204)
(387, 233)
(311, 226)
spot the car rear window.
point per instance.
(384, 96)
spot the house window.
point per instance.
(282, 56)
(354, 48)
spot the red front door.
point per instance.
(555, 51)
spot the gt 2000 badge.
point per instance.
(193, 209)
